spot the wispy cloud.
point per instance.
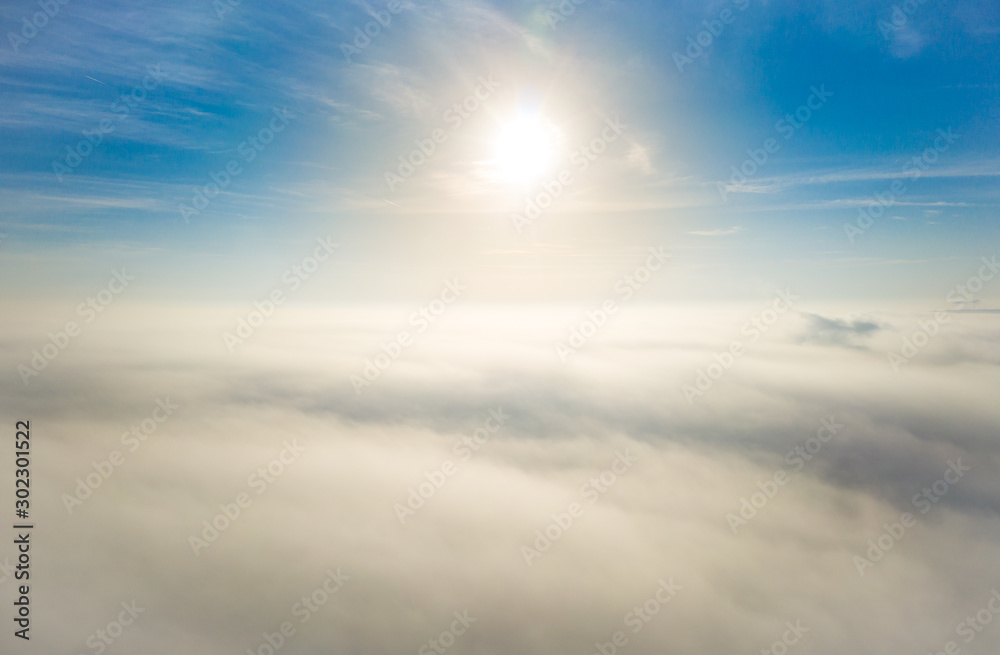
(722, 232)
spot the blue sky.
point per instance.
(892, 90)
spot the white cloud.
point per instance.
(717, 233)
(664, 518)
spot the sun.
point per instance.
(524, 148)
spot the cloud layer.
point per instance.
(666, 517)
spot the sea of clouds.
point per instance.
(585, 489)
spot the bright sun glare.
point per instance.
(524, 149)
